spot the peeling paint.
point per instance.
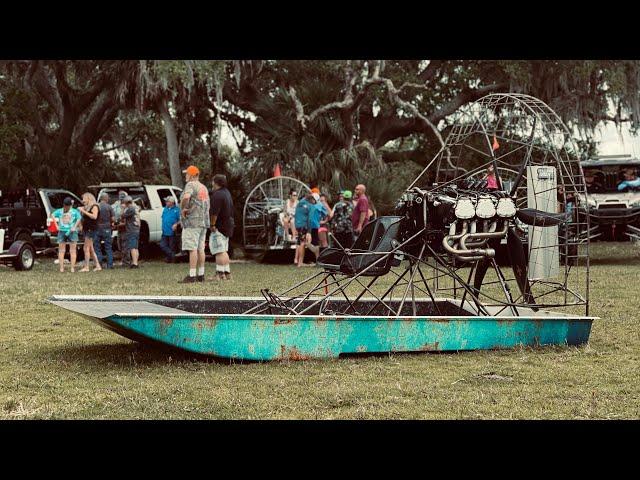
(292, 353)
(282, 321)
(429, 347)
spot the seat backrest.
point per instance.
(377, 236)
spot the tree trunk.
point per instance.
(172, 144)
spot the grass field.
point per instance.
(54, 364)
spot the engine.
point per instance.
(461, 222)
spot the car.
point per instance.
(150, 200)
(24, 217)
(612, 200)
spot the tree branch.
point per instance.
(429, 72)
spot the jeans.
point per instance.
(103, 235)
(168, 246)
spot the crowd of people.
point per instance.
(310, 222)
(313, 224)
(97, 221)
(196, 215)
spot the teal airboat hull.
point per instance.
(188, 324)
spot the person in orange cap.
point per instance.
(194, 217)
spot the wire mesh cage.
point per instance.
(491, 222)
(533, 158)
(265, 210)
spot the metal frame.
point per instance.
(530, 134)
(272, 188)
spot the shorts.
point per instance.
(218, 243)
(193, 238)
(67, 237)
(90, 234)
(302, 235)
(132, 241)
(323, 229)
(315, 239)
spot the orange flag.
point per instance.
(276, 171)
(495, 145)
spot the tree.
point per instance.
(179, 91)
(69, 106)
(335, 121)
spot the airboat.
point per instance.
(263, 217)
(426, 278)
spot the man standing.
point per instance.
(170, 222)
(317, 214)
(341, 221)
(106, 219)
(304, 211)
(222, 224)
(117, 212)
(360, 213)
(67, 220)
(131, 219)
(194, 206)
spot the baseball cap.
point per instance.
(67, 201)
(127, 199)
(121, 195)
(192, 170)
(347, 194)
(316, 196)
(315, 190)
(169, 199)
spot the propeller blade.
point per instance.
(481, 271)
(519, 264)
(483, 265)
(540, 218)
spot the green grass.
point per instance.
(55, 364)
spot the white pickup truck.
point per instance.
(150, 199)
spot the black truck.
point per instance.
(24, 218)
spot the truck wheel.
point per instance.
(22, 237)
(25, 258)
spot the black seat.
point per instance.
(376, 236)
(330, 258)
(538, 218)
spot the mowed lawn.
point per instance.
(55, 364)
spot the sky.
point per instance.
(611, 142)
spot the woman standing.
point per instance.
(290, 232)
(290, 213)
(90, 211)
(323, 231)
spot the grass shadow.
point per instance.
(129, 354)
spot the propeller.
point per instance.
(518, 259)
(483, 265)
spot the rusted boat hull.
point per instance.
(183, 323)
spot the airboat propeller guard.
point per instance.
(262, 223)
(453, 220)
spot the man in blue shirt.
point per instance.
(170, 222)
(319, 212)
(303, 221)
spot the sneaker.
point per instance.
(188, 279)
(200, 278)
(227, 275)
(220, 276)
(133, 266)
